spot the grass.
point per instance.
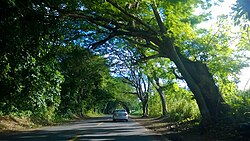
(14, 123)
(94, 114)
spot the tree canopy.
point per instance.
(65, 56)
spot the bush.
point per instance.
(155, 106)
(240, 105)
(182, 106)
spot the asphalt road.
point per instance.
(96, 129)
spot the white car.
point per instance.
(120, 114)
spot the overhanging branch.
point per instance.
(142, 34)
(92, 20)
(95, 45)
(146, 58)
(158, 19)
(132, 16)
(147, 45)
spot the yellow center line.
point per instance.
(73, 139)
(99, 124)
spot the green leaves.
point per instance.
(30, 80)
(45, 63)
(86, 80)
(242, 13)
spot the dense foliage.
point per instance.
(29, 76)
(42, 74)
(64, 58)
(84, 75)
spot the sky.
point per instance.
(225, 8)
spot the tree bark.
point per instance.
(210, 92)
(200, 82)
(158, 87)
(145, 108)
(197, 77)
(163, 102)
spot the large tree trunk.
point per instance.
(158, 87)
(163, 102)
(201, 83)
(209, 91)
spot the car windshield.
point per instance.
(119, 111)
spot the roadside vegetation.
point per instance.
(64, 60)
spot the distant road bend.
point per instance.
(96, 129)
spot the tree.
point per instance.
(124, 65)
(141, 83)
(29, 80)
(241, 14)
(161, 26)
(84, 75)
(242, 9)
(159, 89)
(161, 76)
(122, 96)
(164, 27)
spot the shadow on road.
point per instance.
(102, 128)
(95, 133)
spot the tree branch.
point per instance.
(146, 58)
(130, 93)
(149, 45)
(95, 45)
(132, 16)
(92, 20)
(176, 75)
(142, 34)
(158, 19)
(157, 82)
